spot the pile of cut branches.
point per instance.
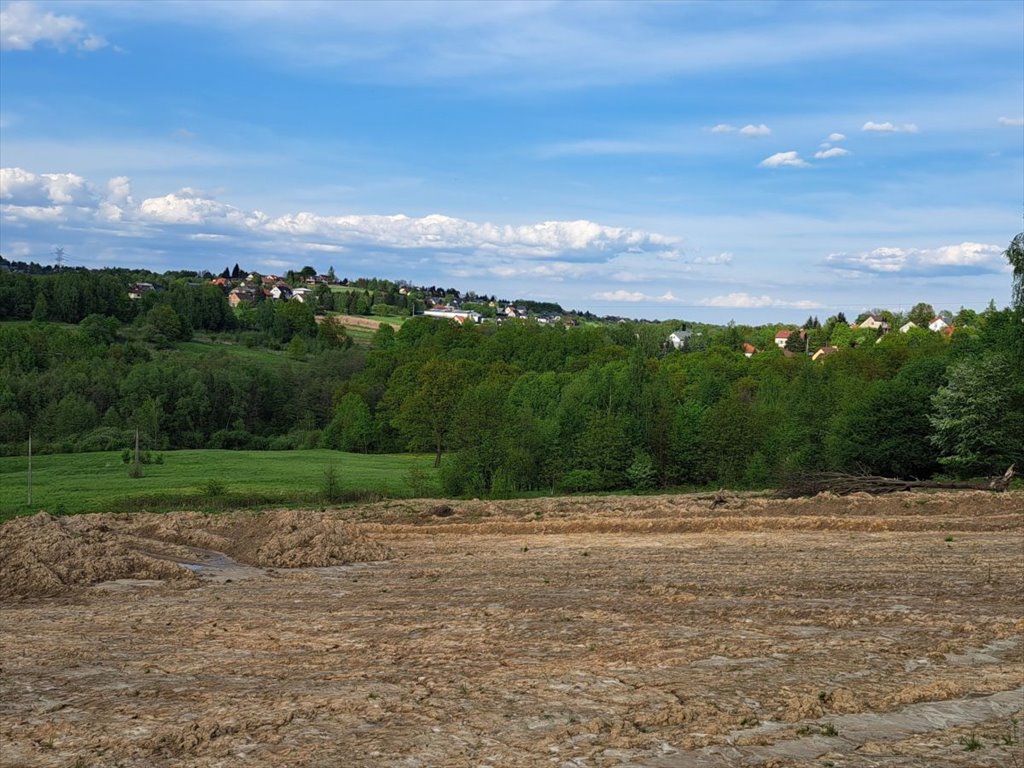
(843, 484)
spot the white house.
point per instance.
(938, 324)
(458, 315)
(874, 322)
(906, 327)
(680, 339)
(280, 291)
(781, 338)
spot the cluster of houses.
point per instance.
(454, 311)
(681, 340)
(270, 287)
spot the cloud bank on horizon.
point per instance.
(603, 156)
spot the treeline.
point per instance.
(89, 389)
(525, 407)
(175, 308)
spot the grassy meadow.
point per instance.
(207, 479)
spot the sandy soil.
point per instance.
(572, 632)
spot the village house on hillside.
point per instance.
(451, 313)
(874, 323)
(680, 339)
(137, 290)
(781, 337)
(749, 350)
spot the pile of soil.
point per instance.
(43, 555)
(277, 539)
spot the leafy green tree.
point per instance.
(162, 324)
(425, 417)
(296, 349)
(978, 421)
(1015, 255)
(352, 428)
(842, 336)
(797, 342)
(922, 314)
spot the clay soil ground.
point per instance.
(650, 631)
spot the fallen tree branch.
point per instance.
(843, 484)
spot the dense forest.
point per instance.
(506, 408)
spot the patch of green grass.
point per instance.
(202, 479)
(971, 742)
(198, 348)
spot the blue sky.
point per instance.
(714, 161)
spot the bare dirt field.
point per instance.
(611, 631)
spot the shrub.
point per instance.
(214, 488)
(640, 474)
(580, 480)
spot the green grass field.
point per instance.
(99, 482)
(203, 347)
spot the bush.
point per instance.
(580, 480)
(330, 485)
(214, 488)
(640, 474)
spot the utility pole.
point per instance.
(58, 254)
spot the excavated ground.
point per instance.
(612, 631)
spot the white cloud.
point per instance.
(23, 188)
(830, 153)
(23, 25)
(784, 160)
(965, 258)
(634, 297)
(746, 301)
(563, 248)
(887, 127)
(756, 130)
(721, 258)
(746, 130)
(1012, 122)
(836, 137)
(184, 134)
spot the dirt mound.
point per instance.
(280, 538)
(43, 555)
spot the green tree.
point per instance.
(922, 314)
(352, 428)
(425, 417)
(978, 421)
(1015, 255)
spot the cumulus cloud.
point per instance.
(23, 188)
(722, 258)
(1012, 122)
(23, 25)
(549, 249)
(836, 137)
(633, 297)
(746, 301)
(784, 160)
(826, 154)
(963, 259)
(756, 130)
(887, 127)
(746, 130)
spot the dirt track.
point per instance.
(583, 632)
